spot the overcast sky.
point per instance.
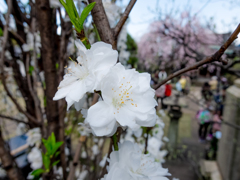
(226, 13)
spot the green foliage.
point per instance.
(49, 157)
(132, 48)
(131, 44)
(133, 60)
(1, 32)
(77, 20)
(51, 145)
(37, 172)
(30, 70)
(85, 13)
(45, 99)
(57, 66)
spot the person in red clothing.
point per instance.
(168, 89)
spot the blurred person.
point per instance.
(206, 92)
(204, 117)
(188, 85)
(213, 83)
(183, 82)
(168, 89)
(155, 77)
(216, 135)
(162, 75)
(217, 121)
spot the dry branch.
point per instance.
(71, 175)
(123, 19)
(13, 119)
(210, 59)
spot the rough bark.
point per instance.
(102, 24)
(48, 36)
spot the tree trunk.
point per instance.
(46, 22)
(7, 161)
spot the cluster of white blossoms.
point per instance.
(34, 137)
(86, 74)
(35, 155)
(127, 101)
(129, 163)
(35, 158)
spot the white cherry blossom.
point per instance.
(35, 158)
(128, 101)
(129, 163)
(86, 74)
(34, 137)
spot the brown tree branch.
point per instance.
(71, 175)
(102, 24)
(13, 119)
(123, 18)
(210, 59)
(226, 69)
(38, 110)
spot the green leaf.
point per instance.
(71, 4)
(47, 145)
(72, 12)
(63, 3)
(56, 146)
(37, 172)
(46, 161)
(57, 66)
(55, 163)
(57, 153)
(30, 70)
(1, 32)
(53, 139)
(45, 98)
(85, 13)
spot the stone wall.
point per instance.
(229, 145)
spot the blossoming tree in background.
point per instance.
(49, 52)
(176, 41)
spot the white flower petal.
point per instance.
(100, 118)
(70, 102)
(127, 118)
(78, 92)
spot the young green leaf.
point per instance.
(46, 161)
(56, 146)
(57, 153)
(37, 172)
(1, 32)
(73, 7)
(55, 163)
(30, 70)
(53, 139)
(85, 13)
(47, 145)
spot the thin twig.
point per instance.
(76, 158)
(210, 59)
(104, 170)
(13, 119)
(124, 17)
(33, 93)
